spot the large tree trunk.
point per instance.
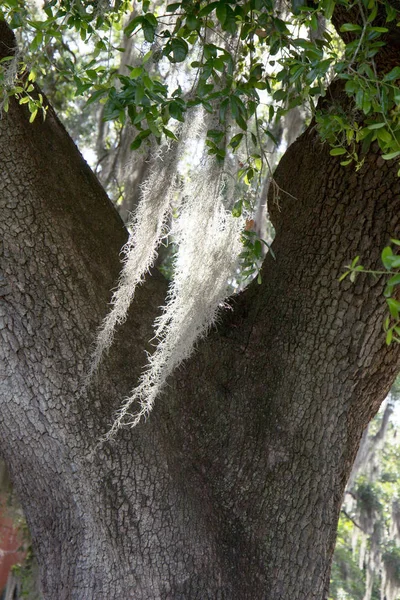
(232, 488)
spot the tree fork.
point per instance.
(233, 487)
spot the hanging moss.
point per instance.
(208, 241)
(368, 502)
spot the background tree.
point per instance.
(233, 487)
(366, 557)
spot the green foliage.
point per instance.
(391, 273)
(252, 255)
(368, 497)
(27, 573)
(347, 579)
(22, 88)
(247, 63)
(230, 75)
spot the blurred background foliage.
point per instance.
(366, 563)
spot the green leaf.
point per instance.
(192, 22)
(33, 116)
(350, 27)
(208, 9)
(386, 257)
(376, 126)
(133, 25)
(92, 74)
(237, 208)
(153, 127)
(148, 82)
(176, 50)
(329, 6)
(280, 95)
(394, 307)
(257, 248)
(271, 113)
(149, 28)
(395, 262)
(395, 280)
(95, 96)
(175, 110)
(136, 72)
(353, 275)
(139, 93)
(379, 29)
(170, 134)
(210, 51)
(366, 103)
(392, 75)
(235, 141)
(269, 248)
(139, 139)
(391, 155)
(249, 176)
(239, 112)
(139, 116)
(173, 7)
(136, 143)
(230, 21)
(147, 57)
(384, 135)
(218, 64)
(151, 18)
(337, 151)
(215, 134)
(221, 12)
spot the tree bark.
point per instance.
(232, 488)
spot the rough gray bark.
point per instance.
(231, 490)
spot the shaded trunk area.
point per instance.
(231, 490)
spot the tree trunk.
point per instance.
(232, 488)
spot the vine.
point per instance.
(391, 275)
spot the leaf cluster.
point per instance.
(247, 62)
(391, 274)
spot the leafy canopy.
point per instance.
(246, 62)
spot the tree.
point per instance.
(366, 556)
(233, 487)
